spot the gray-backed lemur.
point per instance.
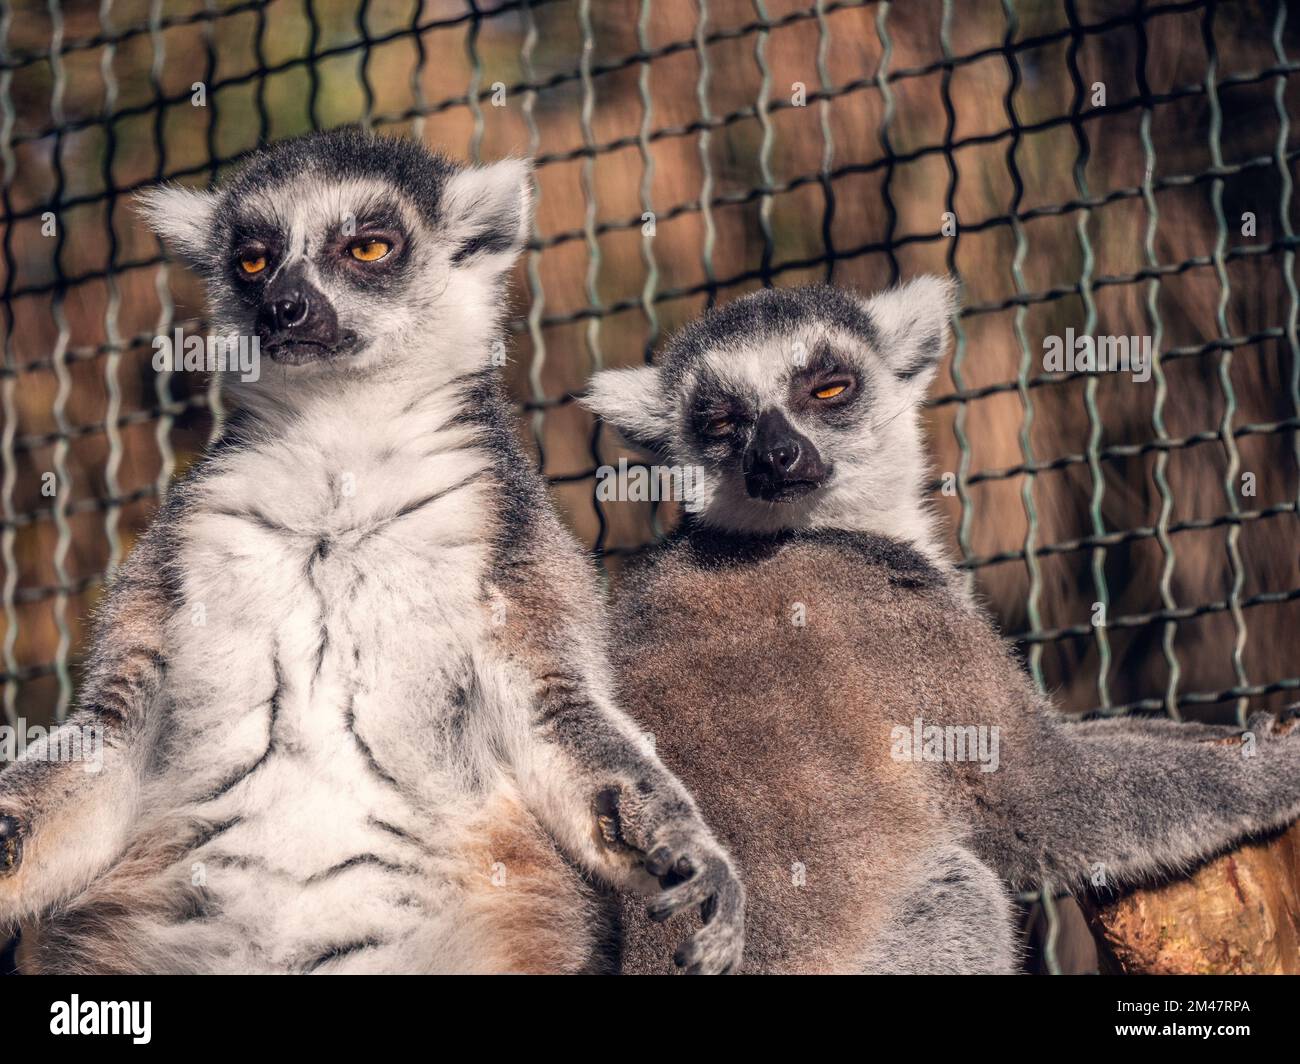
(812, 668)
(353, 678)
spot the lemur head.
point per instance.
(349, 252)
(800, 406)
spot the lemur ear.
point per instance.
(487, 212)
(632, 400)
(914, 321)
(182, 218)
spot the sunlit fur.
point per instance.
(751, 348)
(354, 674)
(774, 649)
(435, 327)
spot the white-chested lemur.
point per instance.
(353, 679)
(812, 668)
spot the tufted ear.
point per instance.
(182, 218)
(487, 213)
(913, 321)
(633, 401)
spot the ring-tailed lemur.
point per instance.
(849, 721)
(353, 679)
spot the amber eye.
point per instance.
(719, 426)
(252, 264)
(370, 250)
(830, 391)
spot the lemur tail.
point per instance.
(1119, 801)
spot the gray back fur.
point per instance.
(786, 654)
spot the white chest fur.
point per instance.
(321, 701)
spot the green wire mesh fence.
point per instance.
(1115, 169)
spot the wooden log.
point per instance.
(1239, 914)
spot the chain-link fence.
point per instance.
(1113, 170)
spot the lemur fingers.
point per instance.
(693, 870)
(718, 947)
(696, 872)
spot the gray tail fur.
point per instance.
(1120, 801)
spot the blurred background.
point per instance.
(1115, 168)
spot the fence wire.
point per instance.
(1119, 169)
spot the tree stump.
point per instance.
(1239, 914)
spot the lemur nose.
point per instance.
(776, 446)
(782, 456)
(290, 310)
(295, 319)
(780, 463)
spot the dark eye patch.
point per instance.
(253, 236)
(379, 216)
(828, 368)
(381, 221)
(714, 403)
(255, 230)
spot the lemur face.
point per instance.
(341, 249)
(770, 416)
(317, 276)
(799, 404)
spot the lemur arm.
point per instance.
(592, 779)
(63, 821)
(1121, 800)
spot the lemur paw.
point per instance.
(1263, 725)
(695, 871)
(1274, 725)
(11, 844)
(691, 867)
